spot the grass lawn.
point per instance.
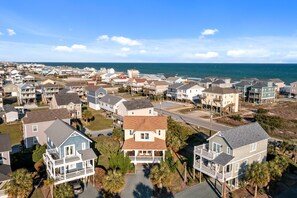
(100, 122)
(13, 130)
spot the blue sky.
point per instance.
(149, 31)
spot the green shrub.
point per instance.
(236, 117)
(38, 152)
(262, 111)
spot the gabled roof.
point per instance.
(263, 83)
(74, 84)
(276, 80)
(244, 135)
(4, 142)
(220, 90)
(66, 98)
(219, 81)
(145, 123)
(188, 86)
(60, 131)
(137, 104)
(45, 115)
(206, 80)
(111, 100)
(243, 83)
(50, 85)
(139, 80)
(9, 108)
(175, 86)
(26, 86)
(93, 88)
(160, 82)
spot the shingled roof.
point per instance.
(145, 123)
(244, 135)
(45, 115)
(157, 144)
(220, 90)
(9, 108)
(111, 100)
(5, 171)
(66, 98)
(223, 159)
(137, 104)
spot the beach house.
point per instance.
(110, 104)
(262, 92)
(68, 155)
(227, 154)
(145, 138)
(94, 94)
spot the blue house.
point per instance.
(68, 156)
(94, 94)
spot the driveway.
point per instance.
(89, 191)
(138, 185)
(169, 104)
(203, 190)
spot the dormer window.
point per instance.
(159, 132)
(131, 132)
(144, 136)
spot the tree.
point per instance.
(121, 162)
(257, 175)
(21, 184)
(50, 183)
(118, 134)
(170, 161)
(277, 166)
(114, 181)
(87, 115)
(64, 191)
(38, 153)
(160, 174)
(106, 145)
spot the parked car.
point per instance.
(77, 188)
(109, 134)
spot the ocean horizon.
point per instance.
(285, 71)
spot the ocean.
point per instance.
(286, 72)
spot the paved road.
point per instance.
(193, 120)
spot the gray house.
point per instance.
(10, 113)
(68, 156)
(228, 153)
(94, 94)
(5, 169)
(262, 92)
(110, 103)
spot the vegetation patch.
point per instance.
(14, 131)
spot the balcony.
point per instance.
(212, 170)
(202, 150)
(146, 159)
(53, 156)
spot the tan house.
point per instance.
(220, 100)
(293, 90)
(145, 138)
(136, 84)
(48, 92)
(69, 101)
(228, 153)
(36, 122)
(155, 87)
(140, 107)
(77, 87)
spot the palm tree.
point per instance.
(257, 175)
(64, 191)
(50, 183)
(87, 115)
(21, 184)
(160, 174)
(114, 181)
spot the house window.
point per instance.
(216, 147)
(150, 111)
(83, 146)
(69, 150)
(35, 128)
(131, 132)
(144, 136)
(132, 113)
(228, 151)
(253, 147)
(159, 132)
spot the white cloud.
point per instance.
(142, 51)
(239, 53)
(125, 41)
(207, 32)
(103, 38)
(206, 55)
(74, 47)
(1, 33)
(11, 32)
(78, 47)
(125, 49)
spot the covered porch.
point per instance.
(145, 156)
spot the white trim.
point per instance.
(70, 145)
(71, 136)
(83, 146)
(35, 125)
